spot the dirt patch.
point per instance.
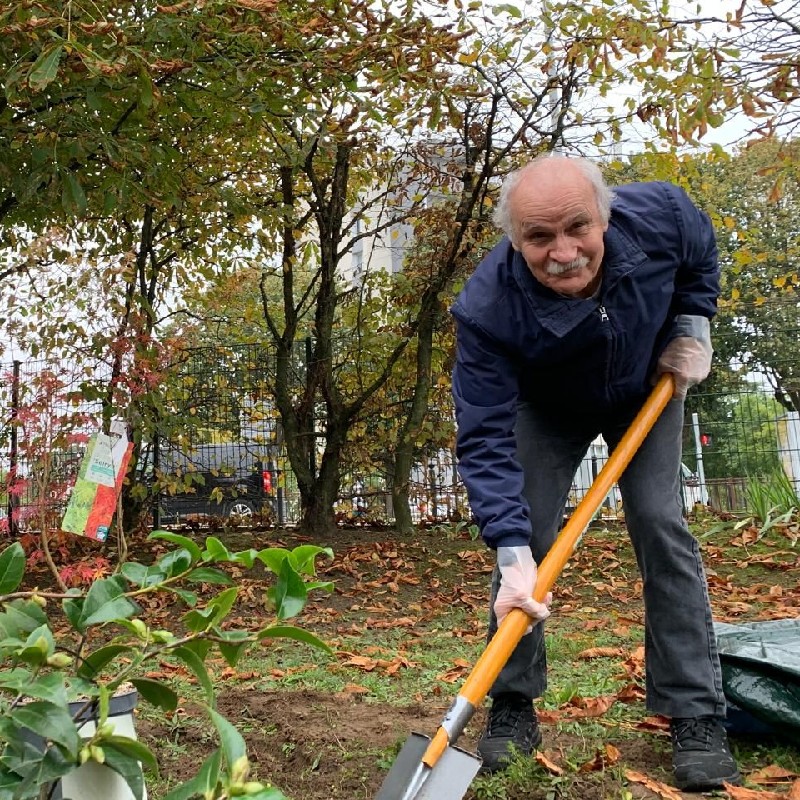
(320, 747)
(311, 745)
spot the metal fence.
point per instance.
(46, 418)
(217, 415)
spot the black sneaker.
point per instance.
(701, 760)
(512, 725)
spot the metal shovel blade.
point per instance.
(448, 780)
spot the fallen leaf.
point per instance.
(362, 662)
(549, 717)
(352, 689)
(580, 707)
(740, 793)
(772, 774)
(654, 724)
(455, 672)
(230, 672)
(602, 759)
(549, 765)
(631, 693)
(659, 788)
(602, 652)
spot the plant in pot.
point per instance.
(73, 664)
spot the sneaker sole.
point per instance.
(735, 779)
(503, 761)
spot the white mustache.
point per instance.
(559, 268)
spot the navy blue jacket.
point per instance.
(518, 341)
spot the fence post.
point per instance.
(12, 497)
(698, 452)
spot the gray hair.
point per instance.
(603, 194)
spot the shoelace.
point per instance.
(693, 733)
(504, 720)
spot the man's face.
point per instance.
(558, 229)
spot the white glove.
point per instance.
(517, 582)
(688, 359)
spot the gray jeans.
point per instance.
(683, 674)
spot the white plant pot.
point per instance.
(93, 781)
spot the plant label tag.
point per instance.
(100, 467)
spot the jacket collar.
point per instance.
(560, 315)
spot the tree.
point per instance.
(129, 114)
(763, 58)
(759, 256)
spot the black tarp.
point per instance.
(761, 676)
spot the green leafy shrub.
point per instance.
(46, 666)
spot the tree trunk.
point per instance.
(319, 516)
(407, 438)
(404, 461)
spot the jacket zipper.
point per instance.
(609, 328)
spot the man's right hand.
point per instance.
(517, 582)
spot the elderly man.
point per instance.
(561, 331)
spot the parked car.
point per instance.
(216, 481)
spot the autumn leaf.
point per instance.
(740, 793)
(367, 664)
(581, 708)
(631, 693)
(352, 690)
(362, 662)
(456, 672)
(659, 788)
(604, 758)
(549, 765)
(654, 724)
(401, 661)
(771, 774)
(229, 673)
(602, 652)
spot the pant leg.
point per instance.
(550, 456)
(683, 673)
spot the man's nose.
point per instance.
(564, 250)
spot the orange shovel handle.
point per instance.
(513, 627)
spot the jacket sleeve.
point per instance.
(485, 395)
(697, 279)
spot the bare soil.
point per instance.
(320, 747)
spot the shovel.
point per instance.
(434, 769)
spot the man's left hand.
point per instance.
(689, 361)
